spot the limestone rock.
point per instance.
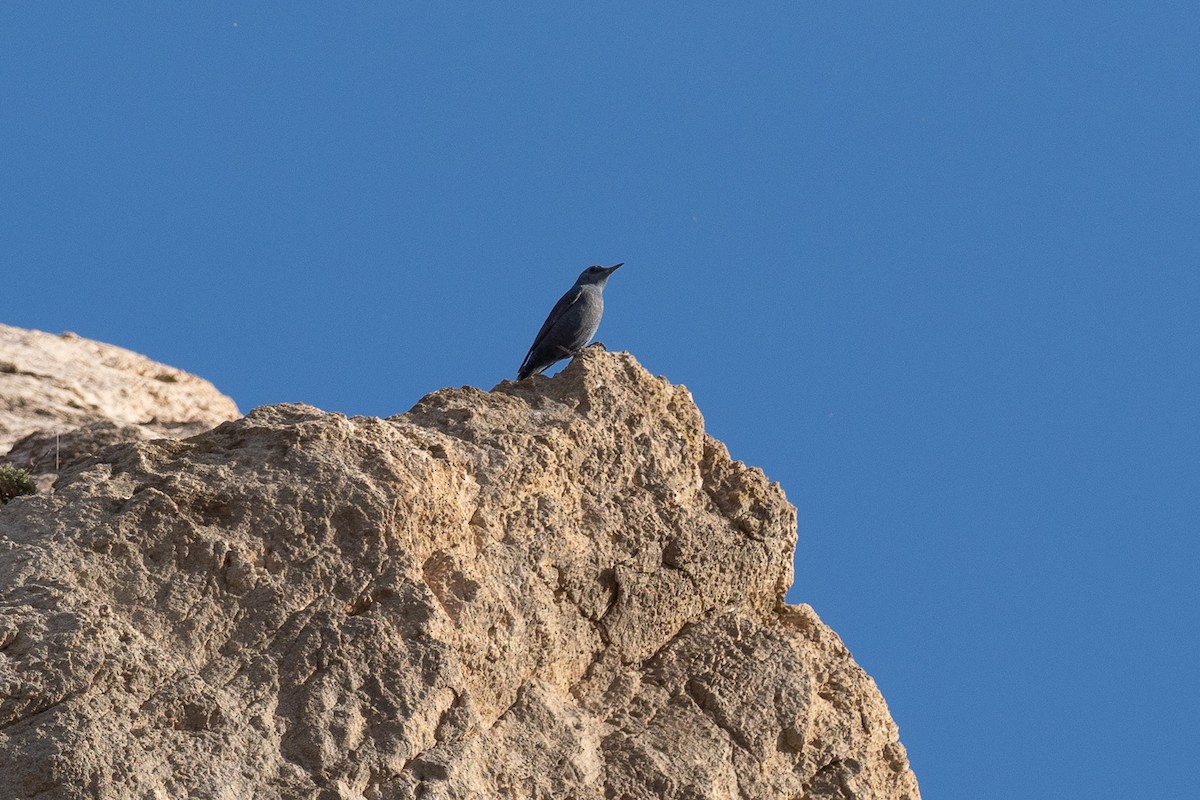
(49, 452)
(562, 588)
(52, 384)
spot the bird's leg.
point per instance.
(564, 352)
(572, 353)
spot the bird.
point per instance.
(571, 324)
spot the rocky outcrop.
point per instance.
(56, 383)
(562, 588)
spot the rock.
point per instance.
(562, 588)
(51, 384)
(45, 452)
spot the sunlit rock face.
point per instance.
(561, 588)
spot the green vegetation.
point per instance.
(14, 482)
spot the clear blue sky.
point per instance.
(935, 267)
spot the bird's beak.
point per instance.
(613, 268)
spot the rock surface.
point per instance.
(561, 588)
(54, 383)
(46, 453)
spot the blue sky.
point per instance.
(934, 268)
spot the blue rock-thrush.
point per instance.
(572, 323)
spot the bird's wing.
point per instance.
(566, 301)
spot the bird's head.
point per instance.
(596, 275)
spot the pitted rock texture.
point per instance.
(46, 452)
(562, 588)
(54, 383)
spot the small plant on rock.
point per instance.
(14, 482)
